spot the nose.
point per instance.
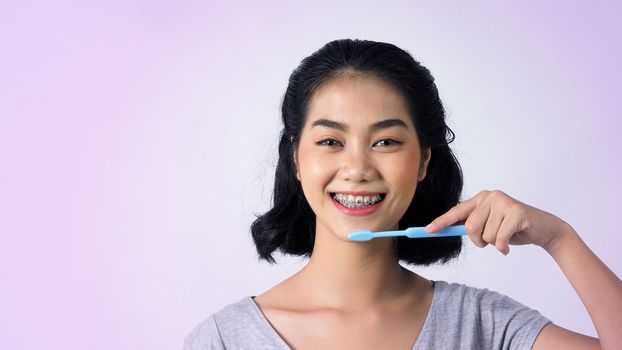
(357, 165)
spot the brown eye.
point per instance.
(389, 142)
(328, 142)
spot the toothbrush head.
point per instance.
(360, 236)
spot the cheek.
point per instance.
(313, 165)
(404, 169)
(402, 175)
(316, 167)
(316, 171)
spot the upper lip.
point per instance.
(358, 193)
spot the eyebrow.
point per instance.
(384, 124)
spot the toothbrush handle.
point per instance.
(419, 232)
(390, 233)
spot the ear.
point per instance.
(423, 165)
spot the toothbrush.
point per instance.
(411, 232)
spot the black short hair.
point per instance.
(289, 226)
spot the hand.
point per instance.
(496, 218)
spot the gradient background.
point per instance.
(137, 139)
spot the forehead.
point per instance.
(358, 100)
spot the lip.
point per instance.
(354, 211)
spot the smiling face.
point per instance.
(359, 137)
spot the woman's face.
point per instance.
(359, 137)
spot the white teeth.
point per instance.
(356, 201)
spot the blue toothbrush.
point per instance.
(411, 232)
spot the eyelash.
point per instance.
(321, 142)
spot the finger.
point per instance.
(491, 227)
(509, 226)
(475, 224)
(458, 213)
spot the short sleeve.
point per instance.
(507, 324)
(205, 336)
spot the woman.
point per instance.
(365, 146)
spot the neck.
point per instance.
(354, 276)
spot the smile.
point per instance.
(357, 205)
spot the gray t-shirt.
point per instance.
(460, 317)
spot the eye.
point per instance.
(390, 141)
(327, 142)
(333, 143)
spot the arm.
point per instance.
(493, 217)
(599, 289)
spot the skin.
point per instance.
(369, 287)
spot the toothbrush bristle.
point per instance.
(360, 236)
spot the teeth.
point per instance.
(356, 201)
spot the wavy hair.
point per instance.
(289, 226)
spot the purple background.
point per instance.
(137, 139)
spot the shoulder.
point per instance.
(483, 302)
(208, 334)
(239, 325)
(482, 299)
(204, 336)
(493, 319)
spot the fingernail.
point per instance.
(428, 228)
